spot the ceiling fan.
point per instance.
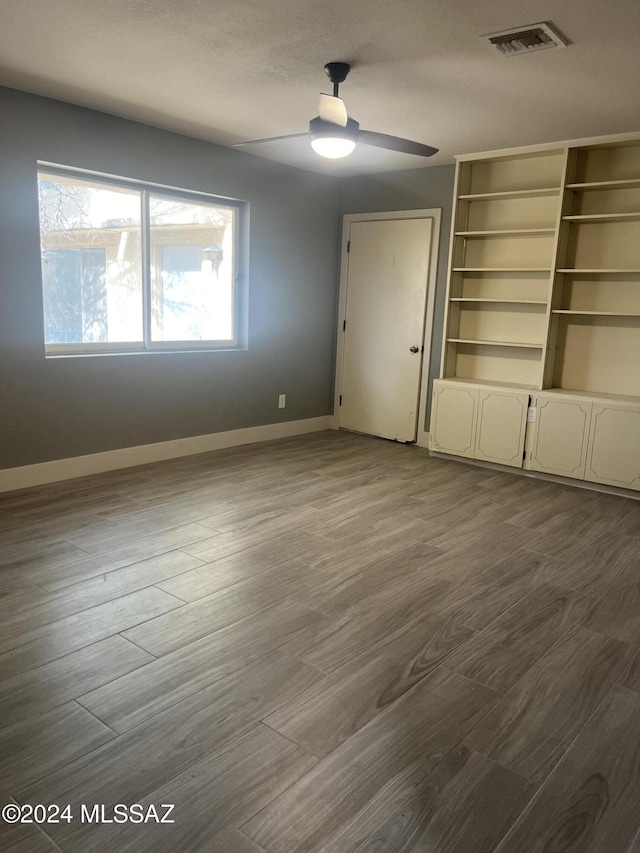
(333, 134)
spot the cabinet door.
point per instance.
(502, 420)
(453, 419)
(561, 430)
(613, 455)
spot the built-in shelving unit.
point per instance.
(595, 318)
(502, 262)
(544, 298)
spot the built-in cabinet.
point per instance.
(595, 439)
(479, 423)
(502, 418)
(543, 306)
(454, 415)
(559, 435)
(613, 454)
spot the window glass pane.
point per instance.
(192, 270)
(91, 261)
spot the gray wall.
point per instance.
(411, 189)
(55, 408)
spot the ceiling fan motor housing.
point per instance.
(337, 71)
(319, 129)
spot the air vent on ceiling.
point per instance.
(529, 39)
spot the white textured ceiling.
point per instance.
(231, 70)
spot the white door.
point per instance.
(384, 326)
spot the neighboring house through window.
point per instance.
(75, 295)
(128, 267)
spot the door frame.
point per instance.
(435, 214)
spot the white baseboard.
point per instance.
(127, 457)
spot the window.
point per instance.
(132, 268)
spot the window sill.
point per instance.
(144, 352)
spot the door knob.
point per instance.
(414, 349)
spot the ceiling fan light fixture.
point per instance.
(331, 140)
(333, 147)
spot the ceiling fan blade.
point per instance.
(333, 110)
(270, 139)
(396, 143)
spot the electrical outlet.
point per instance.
(531, 415)
(282, 401)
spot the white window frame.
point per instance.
(147, 345)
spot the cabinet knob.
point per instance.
(414, 349)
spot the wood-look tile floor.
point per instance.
(327, 644)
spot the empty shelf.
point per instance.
(494, 343)
(503, 301)
(576, 271)
(631, 183)
(596, 313)
(502, 269)
(602, 217)
(490, 383)
(510, 194)
(507, 232)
